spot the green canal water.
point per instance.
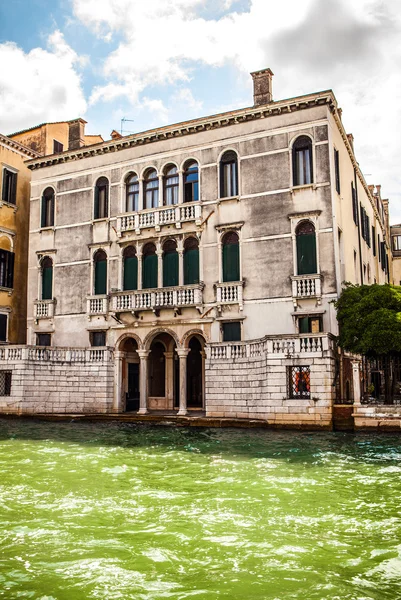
(108, 511)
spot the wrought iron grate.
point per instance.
(299, 382)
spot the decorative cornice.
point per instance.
(190, 127)
(19, 147)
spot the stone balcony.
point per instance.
(44, 309)
(97, 305)
(230, 292)
(55, 354)
(155, 299)
(307, 286)
(284, 346)
(156, 217)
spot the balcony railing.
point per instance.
(275, 346)
(97, 305)
(55, 354)
(187, 295)
(156, 217)
(307, 286)
(44, 309)
(230, 292)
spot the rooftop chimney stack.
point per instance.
(76, 134)
(262, 87)
(115, 135)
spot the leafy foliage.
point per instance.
(369, 318)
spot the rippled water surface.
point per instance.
(108, 511)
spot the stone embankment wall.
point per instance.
(251, 381)
(377, 416)
(56, 380)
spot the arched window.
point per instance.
(130, 269)
(231, 270)
(47, 278)
(191, 181)
(151, 189)
(170, 264)
(100, 265)
(47, 216)
(101, 207)
(306, 248)
(191, 261)
(170, 186)
(149, 267)
(302, 161)
(228, 174)
(132, 193)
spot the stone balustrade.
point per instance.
(169, 297)
(230, 292)
(156, 217)
(97, 305)
(291, 346)
(307, 286)
(44, 309)
(55, 354)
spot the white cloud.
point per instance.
(42, 85)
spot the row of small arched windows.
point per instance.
(305, 247)
(302, 175)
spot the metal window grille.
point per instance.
(5, 383)
(299, 382)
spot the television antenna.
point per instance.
(124, 120)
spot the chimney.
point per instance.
(76, 134)
(262, 87)
(115, 135)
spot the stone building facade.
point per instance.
(198, 263)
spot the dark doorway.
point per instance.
(176, 382)
(194, 374)
(157, 370)
(133, 387)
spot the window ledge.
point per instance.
(100, 220)
(296, 188)
(227, 198)
(9, 204)
(6, 289)
(49, 228)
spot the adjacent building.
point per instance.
(193, 267)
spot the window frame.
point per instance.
(223, 332)
(295, 152)
(92, 338)
(47, 215)
(171, 181)
(190, 185)
(154, 191)
(97, 216)
(55, 151)
(39, 334)
(8, 375)
(7, 272)
(6, 314)
(234, 174)
(42, 283)
(293, 394)
(298, 235)
(395, 237)
(9, 191)
(135, 195)
(94, 262)
(223, 245)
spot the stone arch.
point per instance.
(153, 334)
(6, 241)
(120, 342)
(186, 338)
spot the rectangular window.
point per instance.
(57, 147)
(299, 382)
(6, 269)
(396, 242)
(5, 383)
(383, 255)
(98, 338)
(374, 240)
(337, 169)
(43, 339)
(311, 324)
(232, 332)
(9, 191)
(354, 204)
(3, 327)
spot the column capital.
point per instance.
(182, 352)
(143, 353)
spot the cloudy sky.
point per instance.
(162, 61)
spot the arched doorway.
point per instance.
(195, 373)
(130, 374)
(162, 373)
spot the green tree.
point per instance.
(369, 318)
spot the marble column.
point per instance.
(356, 381)
(118, 381)
(143, 381)
(182, 354)
(159, 268)
(169, 385)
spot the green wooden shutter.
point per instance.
(149, 271)
(304, 325)
(101, 277)
(170, 269)
(306, 254)
(47, 283)
(232, 332)
(191, 266)
(231, 262)
(13, 197)
(131, 273)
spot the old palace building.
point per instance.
(193, 267)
